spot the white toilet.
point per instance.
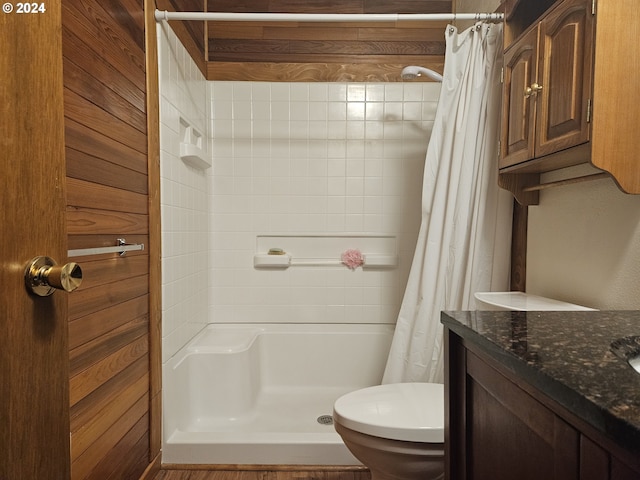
(397, 430)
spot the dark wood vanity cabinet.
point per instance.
(498, 427)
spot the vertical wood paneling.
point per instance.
(107, 182)
(155, 253)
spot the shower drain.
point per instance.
(325, 420)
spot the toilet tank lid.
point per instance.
(521, 301)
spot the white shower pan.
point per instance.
(263, 393)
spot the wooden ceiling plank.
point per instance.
(316, 72)
(311, 34)
(312, 51)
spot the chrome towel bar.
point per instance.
(122, 248)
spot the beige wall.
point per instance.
(584, 246)
(584, 239)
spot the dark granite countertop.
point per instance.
(567, 356)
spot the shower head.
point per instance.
(412, 71)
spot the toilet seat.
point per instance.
(411, 412)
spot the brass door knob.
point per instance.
(43, 276)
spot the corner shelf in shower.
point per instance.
(192, 151)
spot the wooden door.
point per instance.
(519, 110)
(565, 74)
(34, 391)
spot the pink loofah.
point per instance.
(352, 258)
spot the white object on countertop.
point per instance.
(521, 301)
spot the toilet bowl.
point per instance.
(396, 430)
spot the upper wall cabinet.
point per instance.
(546, 90)
(562, 105)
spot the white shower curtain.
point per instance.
(463, 244)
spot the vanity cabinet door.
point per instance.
(512, 435)
(498, 427)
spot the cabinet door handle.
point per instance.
(532, 90)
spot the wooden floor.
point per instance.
(277, 473)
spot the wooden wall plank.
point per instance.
(132, 7)
(315, 72)
(103, 43)
(86, 302)
(83, 166)
(90, 379)
(435, 31)
(118, 129)
(318, 32)
(282, 59)
(407, 6)
(96, 92)
(240, 5)
(91, 61)
(89, 327)
(403, 34)
(88, 221)
(330, 6)
(298, 51)
(83, 465)
(92, 352)
(90, 406)
(92, 142)
(98, 425)
(81, 193)
(127, 459)
(128, 19)
(249, 30)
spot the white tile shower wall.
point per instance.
(183, 94)
(313, 158)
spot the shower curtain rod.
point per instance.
(326, 17)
